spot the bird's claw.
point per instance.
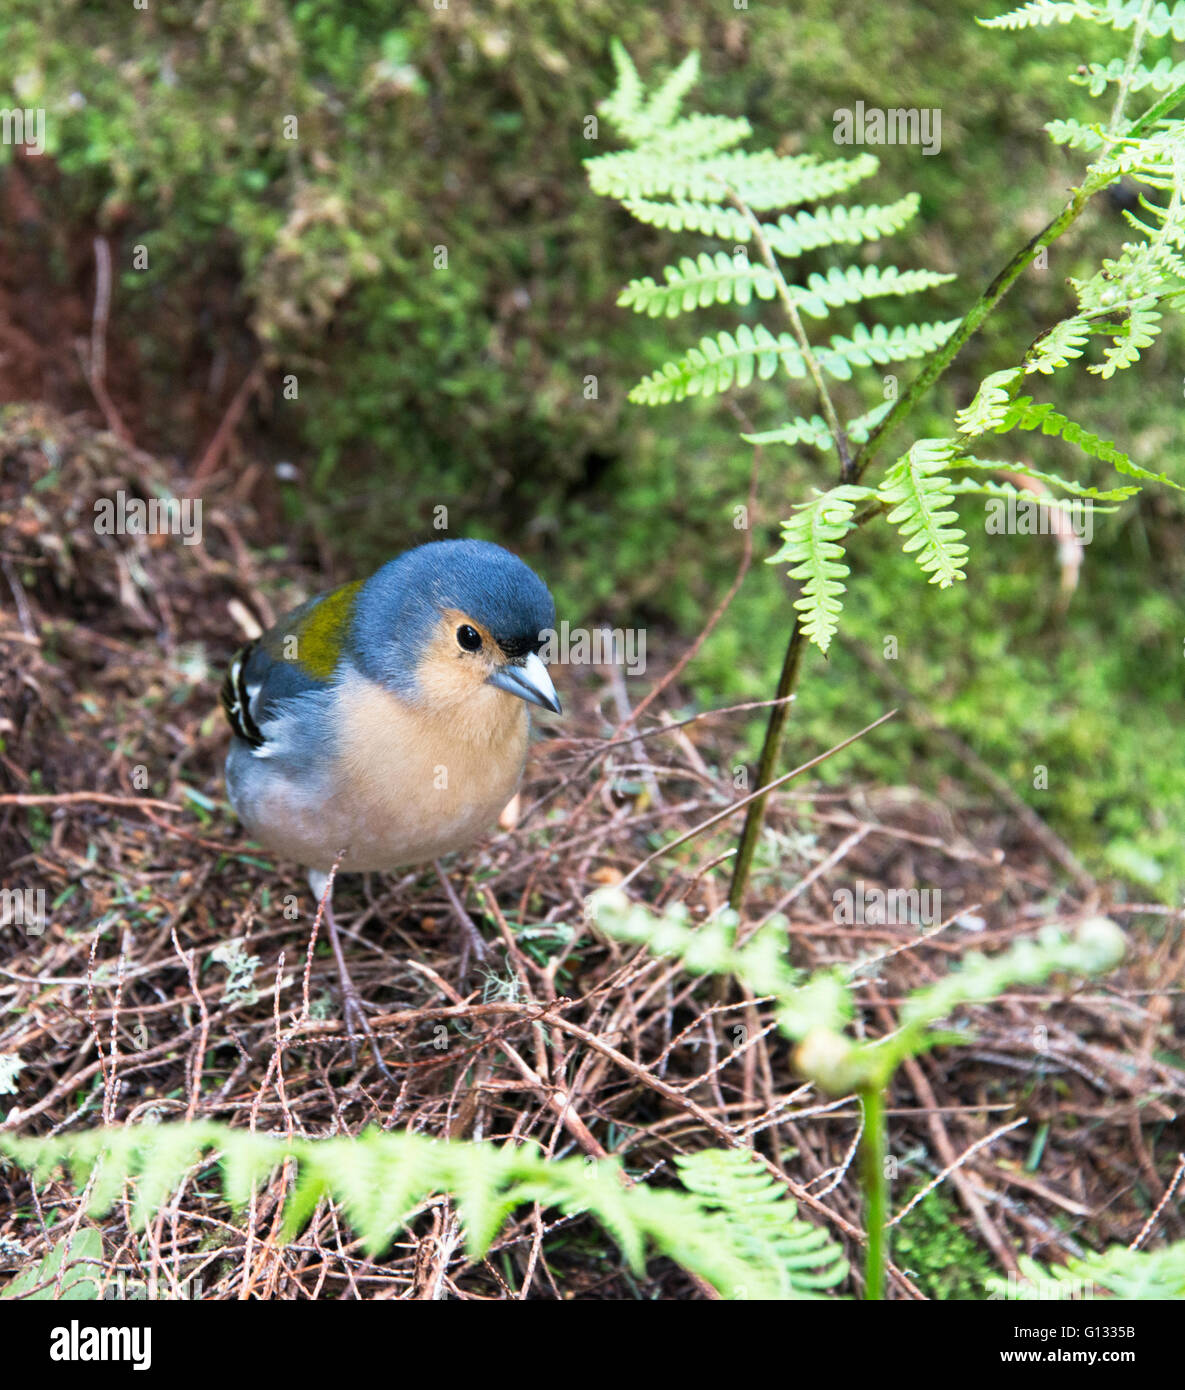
(473, 945)
(358, 1025)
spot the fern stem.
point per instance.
(872, 1178)
(1129, 67)
(771, 749)
(987, 301)
(796, 326)
(772, 744)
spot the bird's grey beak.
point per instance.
(528, 679)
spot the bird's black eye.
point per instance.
(469, 638)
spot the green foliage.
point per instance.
(998, 661)
(1158, 19)
(813, 1014)
(720, 362)
(922, 505)
(725, 278)
(755, 1207)
(1163, 76)
(810, 543)
(718, 279)
(731, 1224)
(724, 360)
(1024, 414)
(1113, 494)
(714, 190)
(66, 1272)
(464, 386)
(1123, 1273)
(718, 193)
(938, 1254)
(1119, 301)
(1060, 345)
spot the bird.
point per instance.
(385, 723)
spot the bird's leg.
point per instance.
(353, 1007)
(472, 941)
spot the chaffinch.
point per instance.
(385, 723)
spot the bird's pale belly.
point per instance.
(409, 796)
(371, 834)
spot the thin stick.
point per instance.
(97, 366)
(214, 450)
(760, 792)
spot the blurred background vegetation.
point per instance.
(419, 385)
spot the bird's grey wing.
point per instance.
(259, 679)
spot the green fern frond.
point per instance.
(761, 179)
(815, 431)
(811, 544)
(1075, 489)
(796, 233)
(762, 1217)
(641, 117)
(797, 431)
(922, 507)
(1076, 135)
(1096, 946)
(1161, 19)
(1025, 415)
(792, 235)
(1140, 271)
(766, 180)
(1138, 331)
(986, 487)
(718, 362)
(695, 284)
(740, 1235)
(664, 105)
(880, 345)
(1060, 345)
(728, 279)
(697, 136)
(861, 427)
(1042, 12)
(677, 176)
(623, 107)
(855, 284)
(1157, 19)
(1133, 1275)
(1162, 77)
(682, 215)
(1165, 230)
(989, 409)
(816, 1013)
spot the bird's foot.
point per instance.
(354, 1009)
(353, 1006)
(473, 944)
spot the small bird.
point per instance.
(385, 723)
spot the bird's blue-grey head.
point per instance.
(468, 600)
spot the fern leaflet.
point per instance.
(811, 544)
(922, 508)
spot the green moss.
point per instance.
(938, 1254)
